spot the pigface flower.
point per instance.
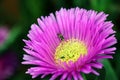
(8, 65)
(3, 35)
(68, 44)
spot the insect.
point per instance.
(60, 36)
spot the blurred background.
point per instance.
(16, 17)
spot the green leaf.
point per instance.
(81, 3)
(77, 3)
(11, 38)
(94, 4)
(110, 74)
(84, 77)
(34, 6)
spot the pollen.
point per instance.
(70, 50)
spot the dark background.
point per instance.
(18, 15)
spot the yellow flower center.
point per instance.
(70, 50)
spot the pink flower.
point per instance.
(8, 63)
(3, 35)
(68, 44)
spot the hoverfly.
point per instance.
(60, 36)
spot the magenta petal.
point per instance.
(69, 77)
(74, 76)
(80, 77)
(95, 72)
(86, 71)
(97, 65)
(87, 26)
(64, 76)
(55, 76)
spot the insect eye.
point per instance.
(60, 36)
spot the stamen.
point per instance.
(70, 50)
